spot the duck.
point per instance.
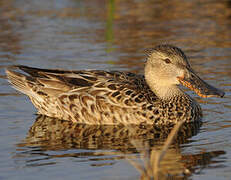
(113, 97)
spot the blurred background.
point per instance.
(110, 35)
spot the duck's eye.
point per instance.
(167, 61)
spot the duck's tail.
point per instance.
(20, 81)
(36, 82)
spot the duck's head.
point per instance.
(167, 66)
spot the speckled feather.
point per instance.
(100, 97)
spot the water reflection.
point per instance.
(49, 133)
(109, 25)
(9, 38)
(49, 139)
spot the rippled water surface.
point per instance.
(112, 35)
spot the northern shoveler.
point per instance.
(113, 97)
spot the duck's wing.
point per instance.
(53, 82)
(90, 89)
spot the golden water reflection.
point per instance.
(103, 145)
(49, 133)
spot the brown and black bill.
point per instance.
(203, 89)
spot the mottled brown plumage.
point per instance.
(103, 97)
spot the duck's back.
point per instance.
(93, 97)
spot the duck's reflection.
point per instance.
(52, 134)
(99, 145)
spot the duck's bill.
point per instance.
(199, 86)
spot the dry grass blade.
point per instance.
(159, 155)
(152, 159)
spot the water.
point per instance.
(112, 35)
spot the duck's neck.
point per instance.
(166, 92)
